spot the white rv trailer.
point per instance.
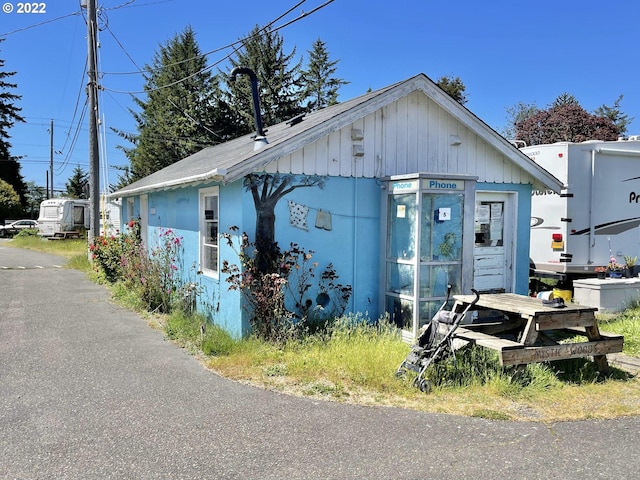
(597, 214)
(110, 213)
(63, 215)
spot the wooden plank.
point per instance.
(560, 352)
(530, 333)
(560, 320)
(491, 328)
(603, 335)
(520, 304)
(484, 340)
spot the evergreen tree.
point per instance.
(320, 86)
(565, 99)
(78, 183)
(9, 115)
(614, 113)
(278, 82)
(183, 111)
(454, 87)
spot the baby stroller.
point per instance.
(433, 346)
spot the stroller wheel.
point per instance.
(424, 385)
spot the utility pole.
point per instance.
(92, 91)
(50, 159)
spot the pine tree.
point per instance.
(278, 82)
(614, 113)
(454, 87)
(9, 115)
(78, 183)
(320, 86)
(183, 111)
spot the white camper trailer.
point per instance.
(596, 216)
(59, 215)
(110, 213)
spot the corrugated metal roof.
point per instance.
(232, 160)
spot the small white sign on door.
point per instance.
(444, 214)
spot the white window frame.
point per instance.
(203, 222)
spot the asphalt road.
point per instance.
(89, 391)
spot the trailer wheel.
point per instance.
(425, 386)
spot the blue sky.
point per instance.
(505, 52)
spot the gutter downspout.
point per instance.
(261, 139)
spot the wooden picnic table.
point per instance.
(65, 235)
(527, 327)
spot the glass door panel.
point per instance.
(401, 226)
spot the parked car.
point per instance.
(14, 227)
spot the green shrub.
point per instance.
(27, 232)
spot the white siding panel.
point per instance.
(379, 142)
(284, 164)
(358, 162)
(402, 133)
(432, 138)
(309, 159)
(334, 159)
(297, 162)
(322, 156)
(346, 152)
(369, 144)
(443, 140)
(413, 131)
(273, 167)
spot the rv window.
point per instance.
(50, 212)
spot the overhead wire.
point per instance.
(77, 103)
(226, 57)
(210, 52)
(74, 140)
(28, 27)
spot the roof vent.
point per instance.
(296, 120)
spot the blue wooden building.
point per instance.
(418, 193)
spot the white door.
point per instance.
(493, 246)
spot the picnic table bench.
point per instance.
(65, 235)
(527, 330)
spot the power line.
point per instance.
(40, 24)
(210, 52)
(232, 45)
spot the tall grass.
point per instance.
(626, 323)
